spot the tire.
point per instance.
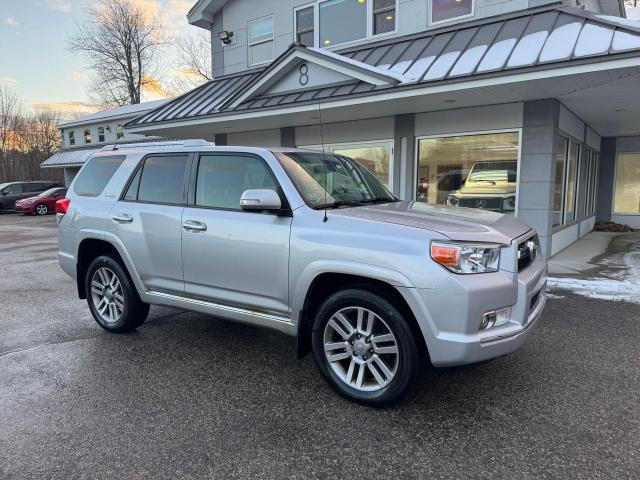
(376, 386)
(41, 209)
(124, 311)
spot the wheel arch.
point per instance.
(327, 283)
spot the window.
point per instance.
(590, 165)
(571, 183)
(562, 147)
(595, 166)
(100, 134)
(477, 171)
(13, 189)
(384, 16)
(260, 40)
(223, 179)
(305, 26)
(119, 131)
(96, 174)
(72, 137)
(444, 10)
(162, 179)
(375, 157)
(87, 136)
(627, 186)
(342, 21)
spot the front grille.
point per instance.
(527, 252)
(485, 203)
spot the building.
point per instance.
(88, 134)
(526, 107)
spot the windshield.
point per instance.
(494, 172)
(327, 180)
(51, 191)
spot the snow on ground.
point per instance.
(618, 279)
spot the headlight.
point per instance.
(453, 201)
(509, 203)
(467, 257)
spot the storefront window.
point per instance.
(627, 192)
(572, 173)
(558, 196)
(477, 171)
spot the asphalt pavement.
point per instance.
(190, 396)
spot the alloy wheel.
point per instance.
(42, 209)
(107, 295)
(361, 349)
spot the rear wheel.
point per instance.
(113, 300)
(41, 209)
(364, 347)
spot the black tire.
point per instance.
(134, 312)
(44, 212)
(408, 365)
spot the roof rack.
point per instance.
(179, 143)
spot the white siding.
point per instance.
(262, 138)
(344, 132)
(571, 124)
(493, 117)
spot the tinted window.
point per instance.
(223, 179)
(15, 188)
(132, 191)
(32, 187)
(95, 175)
(162, 179)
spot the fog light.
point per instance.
(495, 318)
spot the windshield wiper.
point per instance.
(355, 203)
(492, 182)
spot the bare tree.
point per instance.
(194, 62)
(10, 123)
(121, 42)
(40, 138)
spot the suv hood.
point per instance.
(484, 188)
(464, 224)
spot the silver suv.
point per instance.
(307, 243)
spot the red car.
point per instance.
(41, 204)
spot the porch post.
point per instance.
(404, 180)
(606, 180)
(220, 139)
(537, 167)
(288, 137)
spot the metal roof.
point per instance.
(538, 38)
(118, 112)
(77, 156)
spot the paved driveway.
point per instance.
(189, 396)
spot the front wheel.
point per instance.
(365, 349)
(112, 297)
(42, 209)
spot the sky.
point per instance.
(34, 56)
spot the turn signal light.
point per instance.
(62, 205)
(445, 255)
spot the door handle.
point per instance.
(123, 218)
(194, 227)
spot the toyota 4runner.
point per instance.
(310, 244)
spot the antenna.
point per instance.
(324, 161)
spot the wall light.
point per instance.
(225, 37)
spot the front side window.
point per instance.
(342, 21)
(72, 137)
(475, 171)
(260, 40)
(162, 179)
(444, 10)
(94, 177)
(327, 180)
(12, 189)
(119, 131)
(627, 187)
(101, 134)
(87, 136)
(222, 179)
(305, 26)
(384, 16)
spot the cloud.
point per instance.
(12, 22)
(67, 110)
(57, 5)
(8, 81)
(77, 76)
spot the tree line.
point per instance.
(26, 140)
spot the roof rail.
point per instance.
(178, 143)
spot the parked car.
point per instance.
(490, 185)
(374, 287)
(10, 193)
(41, 204)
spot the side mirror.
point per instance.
(259, 200)
(3, 193)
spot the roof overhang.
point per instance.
(202, 13)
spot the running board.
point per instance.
(253, 317)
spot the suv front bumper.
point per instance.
(450, 316)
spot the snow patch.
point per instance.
(380, 71)
(602, 289)
(623, 22)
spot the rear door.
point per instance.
(233, 257)
(148, 220)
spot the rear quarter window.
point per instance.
(96, 174)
